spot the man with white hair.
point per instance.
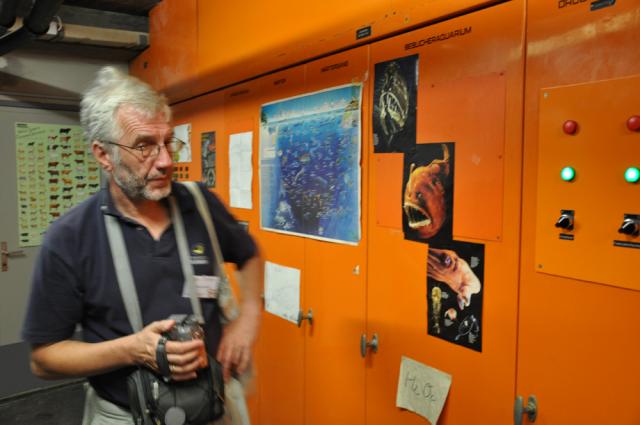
(74, 280)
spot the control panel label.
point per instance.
(626, 244)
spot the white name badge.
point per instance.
(206, 287)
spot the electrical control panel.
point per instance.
(588, 203)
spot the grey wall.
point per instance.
(36, 88)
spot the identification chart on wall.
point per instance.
(55, 172)
(310, 165)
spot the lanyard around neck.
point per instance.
(123, 267)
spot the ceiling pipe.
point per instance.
(35, 24)
(41, 15)
(8, 12)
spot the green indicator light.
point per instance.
(632, 175)
(567, 174)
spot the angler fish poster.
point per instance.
(310, 165)
(427, 193)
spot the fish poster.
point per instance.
(55, 171)
(455, 283)
(310, 165)
(427, 200)
(208, 155)
(395, 96)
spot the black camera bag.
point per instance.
(195, 402)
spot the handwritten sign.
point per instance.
(422, 389)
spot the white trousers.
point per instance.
(98, 411)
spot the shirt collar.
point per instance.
(186, 202)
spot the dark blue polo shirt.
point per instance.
(74, 280)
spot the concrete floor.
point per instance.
(60, 405)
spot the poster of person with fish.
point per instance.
(310, 165)
(455, 275)
(395, 96)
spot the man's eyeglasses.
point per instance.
(148, 150)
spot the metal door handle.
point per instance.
(531, 409)
(6, 254)
(302, 317)
(373, 344)
(4, 251)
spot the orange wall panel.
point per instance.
(281, 350)
(201, 45)
(599, 195)
(547, 334)
(170, 62)
(396, 302)
(451, 113)
(574, 335)
(338, 280)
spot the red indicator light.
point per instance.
(633, 123)
(570, 127)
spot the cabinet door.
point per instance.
(470, 95)
(281, 349)
(336, 284)
(579, 306)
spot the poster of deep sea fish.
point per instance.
(427, 188)
(208, 157)
(455, 284)
(310, 165)
(395, 95)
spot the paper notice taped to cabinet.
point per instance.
(240, 170)
(183, 132)
(422, 389)
(282, 291)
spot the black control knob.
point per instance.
(565, 222)
(629, 227)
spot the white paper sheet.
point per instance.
(282, 291)
(183, 132)
(240, 170)
(422, 389)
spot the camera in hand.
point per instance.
(187, 328)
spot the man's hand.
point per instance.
(237, 342)
(183, 356)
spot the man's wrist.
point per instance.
(251, 309)
(130, 349)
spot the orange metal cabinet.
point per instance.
(169, 64)
(281, 348)
(576, 336)
(202, 45)
(469, 93)
(336, 286)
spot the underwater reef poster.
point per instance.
(310, 165)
